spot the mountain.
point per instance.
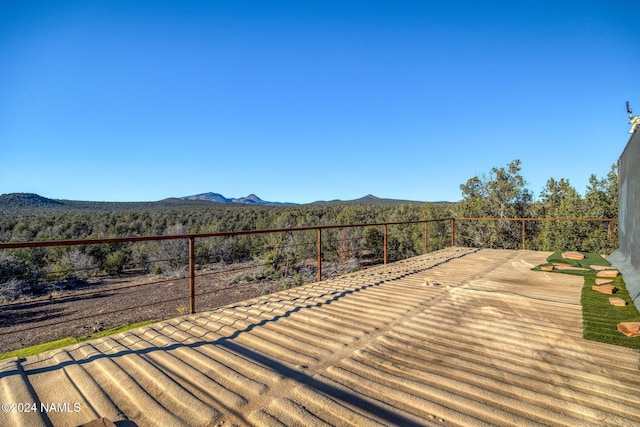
(27, 200)
(24, 203)
(369, 199)
(28, 203)
(251, 199)
(211, 197)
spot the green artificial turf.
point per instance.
(599, 318)
(41, 348)
(589, 259)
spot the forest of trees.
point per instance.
(502, 193)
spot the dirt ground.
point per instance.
(95, 306)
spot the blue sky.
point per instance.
(300, 101)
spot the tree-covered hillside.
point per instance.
(502, 193)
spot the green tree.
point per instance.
(601, 198)
(501, 194)
(439, 233)
(405, 240)
(373, 240)
(559, 199)
(601, 201)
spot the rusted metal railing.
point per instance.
(523, 221)
(191, 238)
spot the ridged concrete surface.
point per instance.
(493, 344)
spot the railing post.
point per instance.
(613, 234)
(523, 233)
(319, 254)
(192, 274)
(384, 233)
(453, 231)
(426, 236)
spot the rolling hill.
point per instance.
(21, 203)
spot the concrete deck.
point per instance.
(494, 344)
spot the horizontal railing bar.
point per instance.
(536, 219)
(112, 240)
(44, 243)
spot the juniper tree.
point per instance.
(500, 194)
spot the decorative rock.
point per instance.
(605, 289)
(607, 273)
(603, 281)
(602, 267)
(429, 282)
(569, 267)
(630, 329)
(573, 255)
(618, 302)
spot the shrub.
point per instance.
(11, 290)
(116, 262)
(9, 267)
(74, 265)
(271, 264)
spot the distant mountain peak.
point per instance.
(212, 197)
(251, 199)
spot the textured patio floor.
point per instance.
(494, 344)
